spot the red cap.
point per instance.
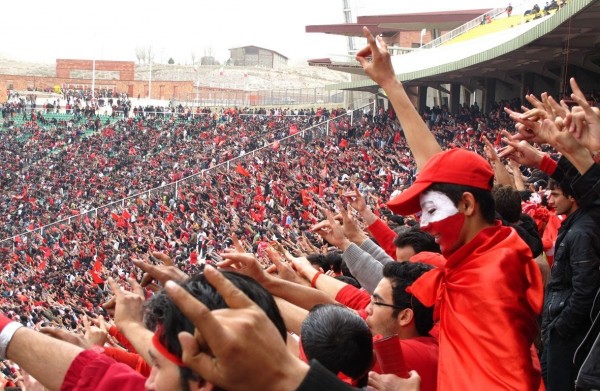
(455, 166)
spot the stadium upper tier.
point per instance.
(499, 49)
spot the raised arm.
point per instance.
(43, 357)
(421, 141)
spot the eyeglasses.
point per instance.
(374, 302)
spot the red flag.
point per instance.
(293, 129)
(498, 140)
(42, 265)
(96, 277)
(126, 215)
(241, 170)
(170, 217)
(97, 266)
(114, 216)
(122, 223)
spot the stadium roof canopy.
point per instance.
(389, 25)
(543, 46)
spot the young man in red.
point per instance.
(489, 293)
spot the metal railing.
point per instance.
(174, 188)
(462, 29)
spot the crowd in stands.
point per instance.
(252, 188)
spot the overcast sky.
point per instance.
(42, 30)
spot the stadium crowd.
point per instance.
(302, 205)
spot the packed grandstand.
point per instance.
(86, 190)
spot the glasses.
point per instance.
(374, 302)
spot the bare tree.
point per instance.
(140, 54)
(149, 53)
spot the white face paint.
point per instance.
(435, 206)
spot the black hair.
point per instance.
(349, 280)
(564, 186)
(401, 276)
(340, 340)
(483, 197)
(334, 261)
(525, 195)
(418, 240)
(318, 260)
(508, 203)
(160, 310)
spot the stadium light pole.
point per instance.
(93, 77)
(150, 81)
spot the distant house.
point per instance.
(250, 56)
(208, 60)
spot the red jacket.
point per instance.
(384, 236)
(487, 298)
(93, 371)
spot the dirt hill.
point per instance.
(291, 77)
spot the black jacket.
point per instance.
(588, 353)
(575, 275)
(587, 191)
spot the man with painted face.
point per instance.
(489, 292)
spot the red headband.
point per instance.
(162, 349)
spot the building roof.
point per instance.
(537, 47)
(389, 25)
(258, 47)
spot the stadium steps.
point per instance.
(497, 25)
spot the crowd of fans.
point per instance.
(181, 191)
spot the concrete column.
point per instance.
(454, 98)
(489, 95)
(526, 84)
(422, 98)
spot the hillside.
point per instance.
(291, 77)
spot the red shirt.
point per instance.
(487, 298)
(420, 353)
(92, 371)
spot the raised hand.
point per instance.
(160, 273)
(128, 305)
(380, 68)
(331, 231)
(242, 341)
(584, 120)
(244, 263)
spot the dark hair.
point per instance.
(339, 339)
(349, 280)
(346, 270)
(564, 186)
(160, 310)
(525, 195)
(318, 260)
(334, 261)
(508, 203)
(418, 240)
(483, 197)
(401, 276)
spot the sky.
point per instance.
(42, 30)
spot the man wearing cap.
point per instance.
(489, 293)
